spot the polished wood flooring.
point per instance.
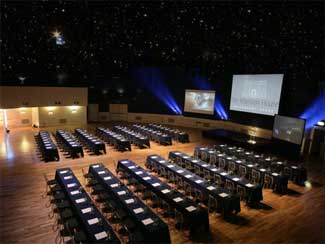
(298, 217)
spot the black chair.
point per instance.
(242, 171)
(97, 189)
(102, 197)
(268, 181)
(79, 237)
(241, 191)
(256, 176)
(230, 186)
(136, 237)
(87, 176)
(48, 185)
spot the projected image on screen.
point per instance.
(199, 101)
(288, 129)
(258, 94)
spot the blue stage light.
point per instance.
(153, 80)
(315, 112)
(203, 84)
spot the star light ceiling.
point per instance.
(109, 37)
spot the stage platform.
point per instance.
(238, 139)
(272, 146)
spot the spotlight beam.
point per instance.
(153, 80)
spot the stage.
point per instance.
(237, 138)
(258, 144)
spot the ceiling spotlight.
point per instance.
(22, 79)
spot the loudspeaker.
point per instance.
(317, 141)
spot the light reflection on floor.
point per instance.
(6, 151)
(25, 145)
(10, 146)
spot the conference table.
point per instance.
(47, 147)
(137, 139)
(195, 216)
(161, 138)
(280, 181)
(176, 134)
(69, 143)
(92, 142)
(93, 223)
(253, 192)
(114, 139)
(153, 229)
(227, 203)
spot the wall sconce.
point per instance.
(50, 108)
(22, 110)
(74, 109)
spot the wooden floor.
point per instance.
(298, 217)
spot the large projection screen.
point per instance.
(288, 129)
(259, 94)
(199, 101)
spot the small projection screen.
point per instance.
(288, 129)
(199, 101)
(259, 94)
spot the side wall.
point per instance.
(65, 115)
(16, 97)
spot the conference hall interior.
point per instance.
(172, 122)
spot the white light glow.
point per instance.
(50, 108)
(308, 184)
(22, 110)
(74, 107)
(56, 33)
(321, 123)
(251, 142)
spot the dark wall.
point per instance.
(142, 98)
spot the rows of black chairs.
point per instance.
(75, 215)
(295, 171)
(135, 138)
(212, 195)
(154, 135)
(131, 218)
(114, 139)
(69, 143)
(176, 134)
(249, 191)
(46, 147)
(256, 166)
(188, 214)
(244, 168)
(90, 141)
